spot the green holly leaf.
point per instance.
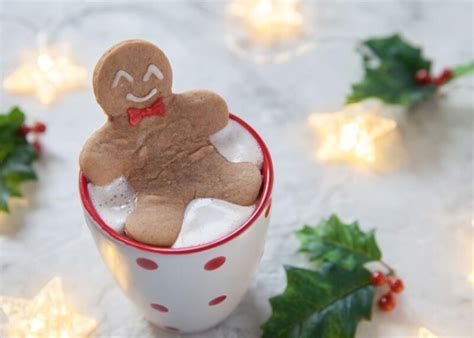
(16, 157)
(328, 303)
(390, 66)
(462, 70)
(342, 244)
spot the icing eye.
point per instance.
(119, 75)
(153, 70)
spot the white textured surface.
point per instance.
(422, 209)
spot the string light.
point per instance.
(46, 315)
(46, 74)
(269, 21)
(423, 332)
(350, 134)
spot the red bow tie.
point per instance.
(135, 115)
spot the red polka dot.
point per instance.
(159, 307)
(267, 212)
(217, 300)
(214, 263)
(171, 328)
(147, 264)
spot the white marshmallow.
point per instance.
(236, 144)
(207, 220)
(113, 202)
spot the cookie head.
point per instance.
(132, 74)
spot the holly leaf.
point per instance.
(328, 303)
(390, 65)
(16, 157)
(462, 70)
(342, 244)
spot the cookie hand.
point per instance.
(99, 161)
(207, 110)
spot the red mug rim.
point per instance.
(264, 200)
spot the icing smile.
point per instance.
(140, 99)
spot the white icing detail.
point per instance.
(119, 75)
(153, 70)
(139, 99)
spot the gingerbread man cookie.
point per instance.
(159, 141)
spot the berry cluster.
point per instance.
(36, 129)
(423, 77)
(387, 301)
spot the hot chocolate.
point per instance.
(205, 219)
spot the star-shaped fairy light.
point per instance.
(423, 332)
(46, 315)
(269, 21)
(46, 74)
(350, 134)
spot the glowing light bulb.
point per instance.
(46, 315)
(46, 75)
(423, 332)
(471, 277)
(45, 62)
(350, 134)
(269, 21)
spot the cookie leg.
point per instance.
(237, 183)
(156, 220)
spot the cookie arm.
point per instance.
(208, 110)
(99, 161)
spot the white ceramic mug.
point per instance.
(188, 289)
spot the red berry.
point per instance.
(24, 130)
(438, 81)
(387, 302)
(39, 127)
(38, 147)
(422, 76)
(396, 285)
(377, 278)
(447, 74)
(444, 77)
